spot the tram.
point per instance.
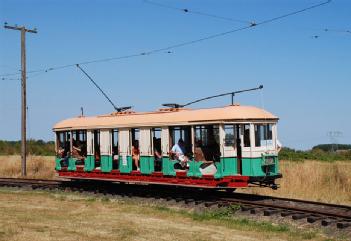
(226, 147)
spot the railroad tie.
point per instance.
(299, 216)
(246, 208)
(256, 210)
(313, 219)
(326, 222)
(342, 225)
(269, 212)
(287, 213)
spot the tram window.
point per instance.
(156, 143)
(229, 135)
(135, 135)
(247, 142)
(181, 132)
(64, 143)
(207, 142)
(79, 144)
(97, 147)
(263, 134)
(135, 149)
(114, 137)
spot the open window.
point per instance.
(115, 150)
(229, 136)
(246, 135)
(207, 143)
(183, 133)
(79, 146)
(263, 135)
(135, 148)
(63, 144)
(97, 153)
(157, 148)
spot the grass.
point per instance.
(37, 166)
(311, 180)
(67, 216)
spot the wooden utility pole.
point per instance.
(23, 30)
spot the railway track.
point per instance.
(312, 212)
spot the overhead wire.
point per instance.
(187, 10)
(186, 43)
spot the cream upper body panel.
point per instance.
(168, 117)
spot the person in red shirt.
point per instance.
(136, 154)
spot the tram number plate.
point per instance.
(268, 161)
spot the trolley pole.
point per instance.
(23, 30)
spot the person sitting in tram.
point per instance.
(77, 152)
(157, 153)
(136, 154)
(178, 153)
(207, 156)
(61, 152)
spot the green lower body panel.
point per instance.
(257, 167)
(89, 163)
(57, 163)
(71, 164)
(250, 167)
(194, 169)
(229, 165)
(125, 164)
(168, 166)
(219, 173)
(106, 163)
(147, 164)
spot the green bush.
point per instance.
(314, 154)
(35, 147)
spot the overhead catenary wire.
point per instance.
(174, 46)
(187, 10)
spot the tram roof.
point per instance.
(168, 117)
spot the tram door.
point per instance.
(238, 148)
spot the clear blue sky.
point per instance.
(306, 80)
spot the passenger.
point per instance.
(178, 151)
(207, 167)
(157, 153)
(136, 154)
(214, 150)
(77, 153)
(62, 154)
(198, 153)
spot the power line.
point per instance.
(328, 30)
(186, 43)
(187, 10)
(337, 30)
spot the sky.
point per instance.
(304, 69)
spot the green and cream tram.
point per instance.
(229, 147)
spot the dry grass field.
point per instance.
(37, 166)
(68, 216)
(310, 180)
(313, 180)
